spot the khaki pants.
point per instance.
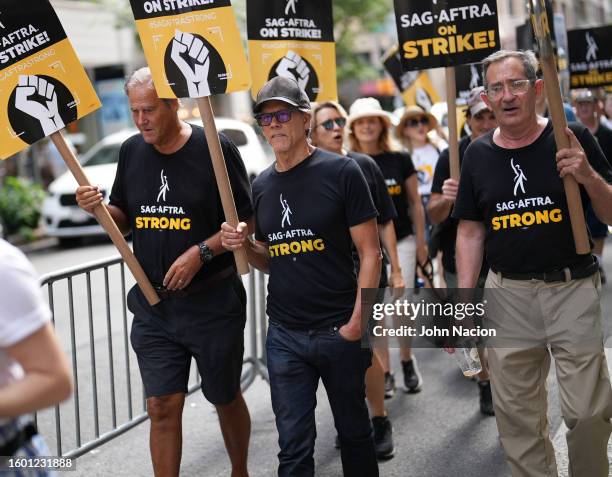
(518, 376)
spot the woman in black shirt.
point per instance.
(370, 133)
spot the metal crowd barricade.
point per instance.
(89, 312)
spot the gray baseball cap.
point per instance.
(282, 89)
(585, 96)
(475, 102)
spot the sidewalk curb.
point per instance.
(37, 245)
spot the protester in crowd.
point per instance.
(34, 373)
(587, 112)
(481, 120)
(327, 132)
(310, 207)
(166, 195)
(537, 280)
(370, 133)
(412, 131)
(542, 108)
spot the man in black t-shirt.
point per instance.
(543, 294)
(328, 122)
(311, 206)
(481, 120)
(166, 195)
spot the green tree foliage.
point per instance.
(20, 203)
(351, 18)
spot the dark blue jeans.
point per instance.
(296, 361)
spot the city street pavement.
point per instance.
(438, 432)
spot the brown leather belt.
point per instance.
(198, 287)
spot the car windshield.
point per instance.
(109, 154)
(105, 155)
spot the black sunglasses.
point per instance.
(282, 116)
(329, 124)
(415, 122)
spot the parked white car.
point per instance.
(65, 220)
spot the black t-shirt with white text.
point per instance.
(396, 168)
(172, 201)
(519, 196)
(304, 215)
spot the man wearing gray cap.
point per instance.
(586, 110)
(310, 207)
(481, 120)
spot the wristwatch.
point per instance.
(206, 253)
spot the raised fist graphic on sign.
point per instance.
(192, 58)
(293, 66)
(37, 97)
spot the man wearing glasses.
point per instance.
(539, 287)
(314, 301)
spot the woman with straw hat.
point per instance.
(327, 132)
(370, 133)
(412, 131)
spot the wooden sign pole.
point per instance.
(106, 221)
(453, 143)
(223, 183)
(555, 107)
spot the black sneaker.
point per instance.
(486, 400)
(383, 437)
(412, 378)
(389, 385)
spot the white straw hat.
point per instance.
(367, 107)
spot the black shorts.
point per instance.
(208, 326)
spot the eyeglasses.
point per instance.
(414, 122)
(516, 87)
(282, 116)
(329, 124)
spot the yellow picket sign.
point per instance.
(193, 51)
(295, 40)
(43, 86)
(421, 92)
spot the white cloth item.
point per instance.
(406, 249)
(22, 308)
(425, 159)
